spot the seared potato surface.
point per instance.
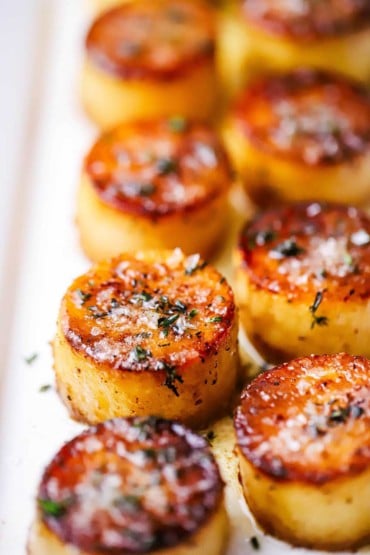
(302, 280)
(152, 333)
(146, 59)
(303, 437)
(283, 36)
(141, 485)
(154, 184)
(301, 136)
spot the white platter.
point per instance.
(45, 137)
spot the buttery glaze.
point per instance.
(156, 184)
(156, 168)
(147, 59)
(303, 436)
(306, 20)
(152, 333)
(145, 39)
(305, 270)
(138, 485)
(312, 117)
(302, 135)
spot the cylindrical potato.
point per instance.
(139, 485)
(151, 333)
(303, 281)
(152, 185)
(280, 36)
(147, 59)
(303, 436)
(302, 136)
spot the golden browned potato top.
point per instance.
(148, 39)
(307, 116)
(308, 420)
(155, 312)
(309, 251)
(130, 486)
(160, 167)
(306, 20)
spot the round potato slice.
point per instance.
(146, 59)
(154, 184)
(303, 281)
(303, 439)
(283, 35)
(152, 333)
(301, 136)
(140, 485)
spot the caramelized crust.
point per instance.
(309, 249)
(147, 39)
(306, 116)
(307, 20)
(159, 167)
(130, 486)
(308, 420)
(152, 313)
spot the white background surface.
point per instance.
(43, 136)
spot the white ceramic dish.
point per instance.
(39, 256)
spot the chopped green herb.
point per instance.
(180, 307)
(52, 508)
(285, 249)
(167, 321)
(83, 296)
(146, 189)
(31, 359)
(255, 543)
(96, 315)
(261, 238)
(171, 376)
(45, 388)
(177, 124)
(149, 453)
(216, 319)
(144, 296)
(193, 313)
(141, 354)
(318, 320)
(339, 415)
(166, 166)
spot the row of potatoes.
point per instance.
(193, 97)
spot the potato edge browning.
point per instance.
(212, 538)
(155, 440)
(202, 381)
(184, 202)
(301, 283)
(338, 386)
(93, 394)
(99, 53)
(167, 149)
(296, 492)
(309, 26)
(264, 96)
